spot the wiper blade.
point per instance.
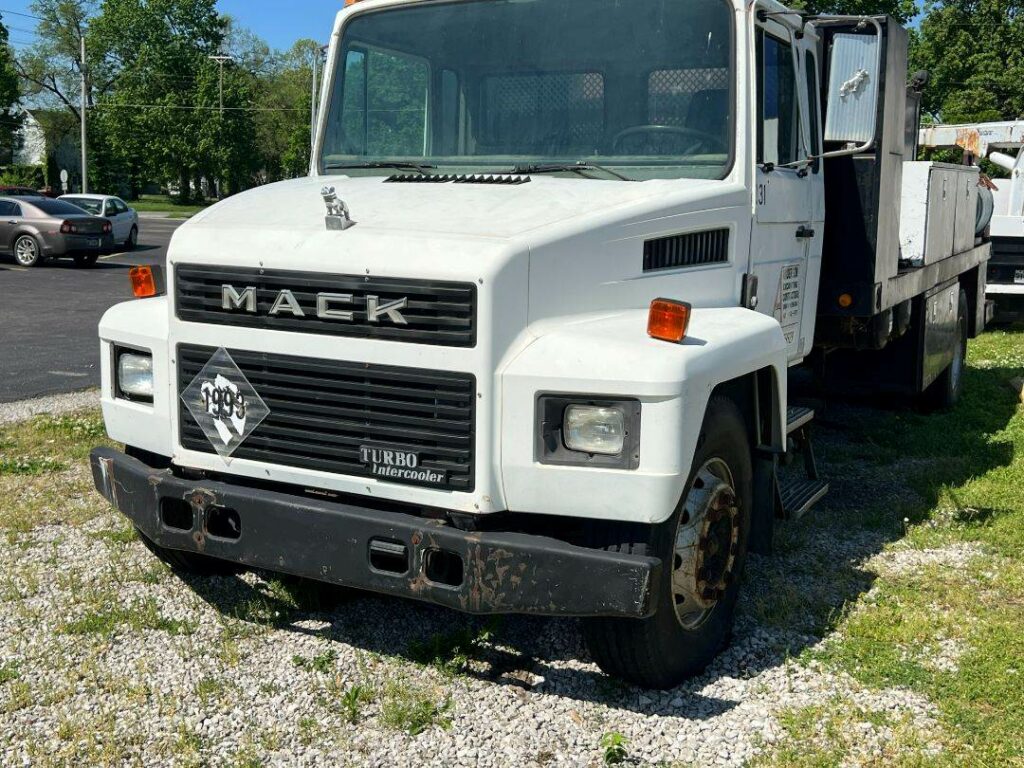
(399, 165)
(581, 167)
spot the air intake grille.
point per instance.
(323, 411)
(478, 178)
(435, 312)
(691, 250)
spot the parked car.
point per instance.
(125, 220)
(20, 192)
(37, 228)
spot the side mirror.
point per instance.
(855, 65)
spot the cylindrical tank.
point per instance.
(986, 205)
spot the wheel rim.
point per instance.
(25, 251)
(706, 544)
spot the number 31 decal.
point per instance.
(762, 194)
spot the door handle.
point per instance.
(804, 233)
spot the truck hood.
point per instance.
(498, 211)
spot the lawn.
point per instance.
(944, 615)
(169, 205)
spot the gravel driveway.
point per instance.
(106, 657)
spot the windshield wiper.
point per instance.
(399, 165)
(581, 167)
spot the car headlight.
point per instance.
(594, 429)
(135, 376)
(583, 431)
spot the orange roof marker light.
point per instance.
(147, 281)
(668, 320)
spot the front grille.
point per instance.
(323, 411)
(436, 312)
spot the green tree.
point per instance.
(10, 96)
(156, 121)
(974, 50)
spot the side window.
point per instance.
(6, 208)
(120, 207)
(778, 138)
(109, 209)
(813, 94)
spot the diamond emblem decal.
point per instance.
(224, 403)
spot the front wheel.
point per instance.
(133, 239)
(703, 548)
(26, 251)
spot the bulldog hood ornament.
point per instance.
(338, 217)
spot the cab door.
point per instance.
(783, 190)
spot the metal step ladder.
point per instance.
(795, 497)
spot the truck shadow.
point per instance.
(888, 468)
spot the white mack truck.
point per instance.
(521, 342)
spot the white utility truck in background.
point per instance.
(1003, 202)
(522, 341)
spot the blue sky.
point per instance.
(280, 24)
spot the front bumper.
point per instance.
(330, 541)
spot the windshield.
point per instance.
(94, 207)
(57, 208)
(641, 87)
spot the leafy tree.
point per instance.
(974, 50)
(10, 96)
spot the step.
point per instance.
(800, 495)
(798, 416)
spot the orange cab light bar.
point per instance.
(147, 281)
(668, 320)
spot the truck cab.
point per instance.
(521, 341)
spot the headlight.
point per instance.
(592, 429)
(135, 376)
(585, 431)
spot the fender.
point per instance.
(141, 324)
(612, 356)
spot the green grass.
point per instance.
(44, 471)
(952, 632)
(413, 707)
(167, 204)
(105, 619)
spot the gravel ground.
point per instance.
(109, 658)
(72, 401)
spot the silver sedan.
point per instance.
(38, 228)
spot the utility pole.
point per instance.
(82, 107)
(221, 60)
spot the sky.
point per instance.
(279, 23)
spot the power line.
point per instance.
(26, 15)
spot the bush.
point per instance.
(22, 176)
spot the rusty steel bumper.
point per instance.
(331, 541)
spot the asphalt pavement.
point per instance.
(49, 315)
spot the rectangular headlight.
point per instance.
(581, 430)
(594, 429)
(134, 375)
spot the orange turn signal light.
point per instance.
(147, 281)
(845, 300)
(668, 320)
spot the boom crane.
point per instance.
(994, 141)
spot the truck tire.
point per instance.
(189, 563)
(945, 391)
(697, 596)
